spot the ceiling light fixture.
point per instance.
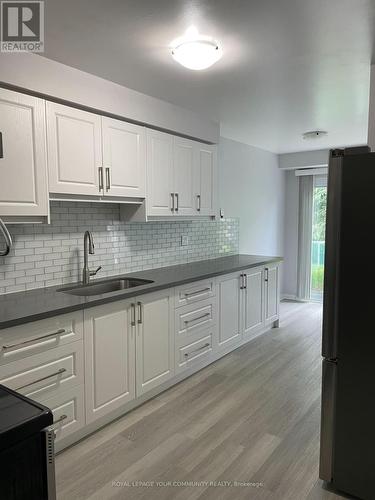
(195, 51)
(314, 134)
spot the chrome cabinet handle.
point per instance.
(42, 337)
(199, 202)
(57, 423)
(172, 207)
(241, 282)
(59, 372)
(245, 281)
(187, 354)
(140, 313)
(8, 239)
(192, 294)
(176, 209)
(108, 178)
(101, 180)
(133, 315)
(186, 321)
(1, 146)
(266, 274)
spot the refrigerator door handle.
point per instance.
(332, 258)
(327, 420)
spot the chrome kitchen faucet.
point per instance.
(88, 248)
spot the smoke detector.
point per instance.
(314, 134)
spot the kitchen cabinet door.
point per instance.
(109, 339)
(205, 179)
(160, 198)
(23, 159)
(124, 158)
(184, 160)
(253, 302)
(229, 304)
(74, 143)
(154, 340)
(272, 293)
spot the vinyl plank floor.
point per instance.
(245, 427)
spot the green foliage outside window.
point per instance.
(320, 207)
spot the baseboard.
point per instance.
(293, 298)
(287, 296)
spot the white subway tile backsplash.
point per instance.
(52, 255)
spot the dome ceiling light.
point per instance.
(314, 134)
(195, 51)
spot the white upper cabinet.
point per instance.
(90, 155)
(124, 150)
(159, 173)
(205, 179)
(184, 158)
(74, 150)
(23, 170)
(181, 176)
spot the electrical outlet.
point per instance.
(184, 240)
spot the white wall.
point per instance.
(57, 80)
(304, 159)
(252, 187)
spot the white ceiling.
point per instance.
(288, 66)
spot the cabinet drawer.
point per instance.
(68, 411)
(39, 336)
(195, 317)
(193, 292)
(46, 374)
(193, 352)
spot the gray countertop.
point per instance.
(23, 307)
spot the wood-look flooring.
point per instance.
(251, 417)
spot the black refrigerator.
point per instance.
(347, 448)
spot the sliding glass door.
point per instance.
(318, 237)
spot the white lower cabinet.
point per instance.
(154, 340)
(272, 293)
(253, 302)
(109, 358)
(194, 349)
(134, 346)
(229, 305)
(129, 350)
(248, 302)
(45, 374)
(68, 408)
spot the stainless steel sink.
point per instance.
(105, 286)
